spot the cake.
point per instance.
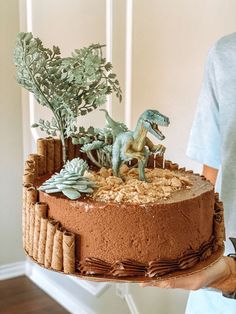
(122, 230)
(103, 203)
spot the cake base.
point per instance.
(215, 257)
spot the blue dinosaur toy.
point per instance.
(136, 144)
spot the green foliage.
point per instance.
(69, 87)
(70, 181)
(92, 146)
(97, 144)
(84, 136)
(89, 71)
(92, 134)
(49, 127)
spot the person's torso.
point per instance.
(225, 74)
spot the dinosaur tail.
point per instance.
(117, 127)
(108, 117)
(104, 110)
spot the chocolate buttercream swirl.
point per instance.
(156, 268)
(94, 266)
(206, 248)
(128, 267)
(163, 267)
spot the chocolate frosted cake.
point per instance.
(126, 228)
(102, 203)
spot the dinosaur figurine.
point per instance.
(133, 144)
(116, 127)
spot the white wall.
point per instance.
(11, 157)
(171, 39)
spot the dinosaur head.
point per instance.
(152, 119)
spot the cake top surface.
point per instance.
(163, 186)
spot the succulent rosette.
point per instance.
(70, 180)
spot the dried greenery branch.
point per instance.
(69, 87)
(96, 143)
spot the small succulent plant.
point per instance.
(70, 181)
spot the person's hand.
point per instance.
(221, 276)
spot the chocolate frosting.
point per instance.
(94, 266)
(149, 241)
(156, 268)
(187, 260)
(128, 268)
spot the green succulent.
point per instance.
(76, 166)
(70, 181)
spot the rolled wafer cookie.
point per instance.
(40, 212)
(57, 252)
(42, 240)
(51, 230)
(68, 252)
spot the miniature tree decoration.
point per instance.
(69, 87)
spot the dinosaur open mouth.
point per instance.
(156, 129)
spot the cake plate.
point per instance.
(201, 265)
